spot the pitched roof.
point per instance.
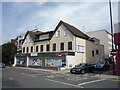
(76, 32)
(32, 34)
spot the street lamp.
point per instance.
(112, 34)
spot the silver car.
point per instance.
(2, 65)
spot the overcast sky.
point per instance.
(18, 17)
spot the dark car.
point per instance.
(102, 65)
(83, 68)
(2, 65)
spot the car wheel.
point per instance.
(83, 72)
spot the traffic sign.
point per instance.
(113, 52)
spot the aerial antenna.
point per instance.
(83, 27)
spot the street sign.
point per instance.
(59, 55)
(113, 52)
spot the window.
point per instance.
(31, 48)
(45, 36)
(65, 32)
(80, 48)
(36, 48)
(97, 52)
(47, 47)
(58, 34)
(41, 48)
(54, 47)
(23, 49)
(93, 53)
(69, 45)
(62, 46)
(27, 49)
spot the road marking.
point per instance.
(27, 75)
(91, 82)
(65, 83)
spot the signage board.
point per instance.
(34, 54)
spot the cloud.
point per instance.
(46, 15)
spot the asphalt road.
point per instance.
(20, 78)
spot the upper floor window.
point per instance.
(80, 48)
(23, 49)
(27, 49)
(66, 32)
(62, 46)
(47, 47)
(69, 45)
(54, 47)
(36, 48)
(58, 34)
(31, 48)
(45, 36)
(97, 52)
(41, 48)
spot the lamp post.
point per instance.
(112, 34)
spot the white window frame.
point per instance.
(58, 34)
(65, 32)
(80, 48)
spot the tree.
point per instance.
(8, 51)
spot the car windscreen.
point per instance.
(80, 65)
(101, 62)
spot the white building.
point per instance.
(105, 39)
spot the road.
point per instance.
(13, 77)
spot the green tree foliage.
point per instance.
(8, 51)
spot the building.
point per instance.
(20, 39)
(117, 46)
(14, 41)
(62, 48)
(105, 39)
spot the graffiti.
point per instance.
(36, 62)
(21, 61)
(54, 62)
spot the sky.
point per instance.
(19, 17)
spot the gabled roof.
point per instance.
(32, 34)
(76, 32)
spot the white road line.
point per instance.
(65, 83)
(91, 82)
(27, 75)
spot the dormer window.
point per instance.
(45, 36)
(58, 34)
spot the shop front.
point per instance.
(42, 60)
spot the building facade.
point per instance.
(105, 39)
(64, 47)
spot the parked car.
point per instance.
(83, 68)
(102, 65)
(2, 65)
